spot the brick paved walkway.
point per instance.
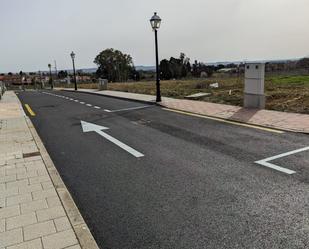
(273, 119)
(31, 213)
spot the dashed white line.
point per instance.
(75, 100)
(106, 110)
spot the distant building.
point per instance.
(228, 70)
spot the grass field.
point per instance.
(284, 93)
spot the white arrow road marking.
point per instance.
(89, 127)
(266, 162)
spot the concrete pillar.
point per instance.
(254, 95)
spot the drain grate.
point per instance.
(32, 154)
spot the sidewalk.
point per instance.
(36, 209)
(267, 118)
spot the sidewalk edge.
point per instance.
(162, 105)
(114, 97)
(80, 227)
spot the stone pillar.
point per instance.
(254, 95)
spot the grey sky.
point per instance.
(35, 32)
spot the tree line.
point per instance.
(176, 68)
(116, 66)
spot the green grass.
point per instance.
(297, 80)
(284, 93)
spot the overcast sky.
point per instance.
(37, 32)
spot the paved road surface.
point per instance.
(196, 186)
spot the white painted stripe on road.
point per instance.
(120, 144)
(76, 100)
(266, 162)
(106, 110)
(97, 107)
(276, 167)
(132, 108)
(88, 105)
(82, 103)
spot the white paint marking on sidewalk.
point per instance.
(266, 162)
(132, 108)
(89, 127)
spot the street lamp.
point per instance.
(22, 80)
(73, 58)
(50, 77)
(155, 22)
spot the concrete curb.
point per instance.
(114, 97)
(161, 105)
(238, 121)
(81, 229)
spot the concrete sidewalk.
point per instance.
(266, 118)
(36, 209)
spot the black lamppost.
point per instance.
(22, 80)
(50, 77)
(73, 58)
(155, 24)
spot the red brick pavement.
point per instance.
(274, 119)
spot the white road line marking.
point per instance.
(121, 145)
(97, 107)
(82, 103)
(106, 110)
(266, 162)
(89, 127)
(88, 105)
(71, 99)
(76, 100)
(132, 108)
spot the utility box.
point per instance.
(254, 95)
(103, 84)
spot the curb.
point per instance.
(238, 121)
(161, 105)
(114, 97)
(80, 227)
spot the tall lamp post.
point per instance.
(50, 77)
(73, 61)
(155, 22)
(22, 80)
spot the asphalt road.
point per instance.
(196, 186)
